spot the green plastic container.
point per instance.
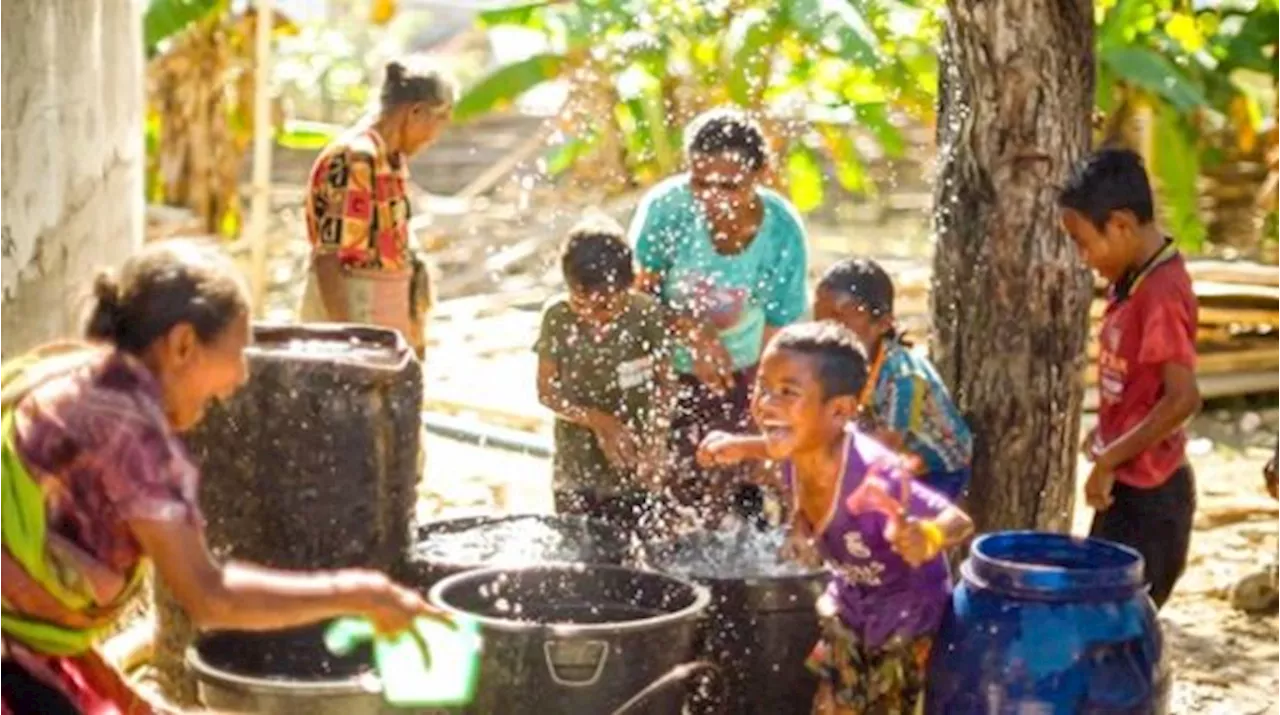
(430, 665)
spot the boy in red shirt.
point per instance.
(1141, 486)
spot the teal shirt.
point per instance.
(738, 294)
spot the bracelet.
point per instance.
(933, 535)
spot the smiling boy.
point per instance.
(1141, 484)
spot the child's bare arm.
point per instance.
(721, 449)
(1180, 402)
(551, 397)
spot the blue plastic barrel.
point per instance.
(1052, 625)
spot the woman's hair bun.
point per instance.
(104, 320)
(396, 72)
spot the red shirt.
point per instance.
(1153, 326)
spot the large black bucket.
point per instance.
(282, 673)
(760, 626)
(450, 546)
(573, 638)
(313, 464)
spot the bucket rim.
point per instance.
(398, 349)
(365, 683)
(701, 600)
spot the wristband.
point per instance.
(932, 535)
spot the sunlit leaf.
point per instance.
(1183, 29)
(875, 119)
(850, 171)
(527, 15)
(1252, 44)
(562, 157)
(804, 177)
(505, 85)
(165, 18)
(306, 136)
(1153, 72)
(835, 26)
(1176, 166)
(748, 46)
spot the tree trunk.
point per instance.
(1010, 296)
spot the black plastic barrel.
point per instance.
(758, 628)
(282, 673)
(449, 546)
(575, 638)
(313, 464)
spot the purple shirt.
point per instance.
(876, 593)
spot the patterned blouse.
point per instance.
(357, 204)
(96, 439)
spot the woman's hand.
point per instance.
(620, 446)
(712, 364)
(391, 607)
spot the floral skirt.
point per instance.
(858, 680)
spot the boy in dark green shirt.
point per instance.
(603, 368)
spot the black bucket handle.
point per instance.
(577, 662)
(677, 674)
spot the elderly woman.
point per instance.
(98, 485)
(726, 258)
(365, 267)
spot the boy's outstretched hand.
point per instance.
(721, 449)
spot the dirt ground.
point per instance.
(1225, 662)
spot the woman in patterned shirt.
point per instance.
(364, 267)
(97, 484)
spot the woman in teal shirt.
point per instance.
(726, 257)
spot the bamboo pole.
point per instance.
(260, 215)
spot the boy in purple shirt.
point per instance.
(856, 507)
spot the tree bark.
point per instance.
(1010, 296)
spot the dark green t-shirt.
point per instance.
(614, 369)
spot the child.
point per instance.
(904, 402)
(904, 399)
(891, 584)
(603, 369)
(1141, 485)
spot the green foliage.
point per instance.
(845, 68)
(1199, 69)
(165, 18)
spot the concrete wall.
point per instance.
(72, 157)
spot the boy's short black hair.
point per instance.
(840, 358)
(863, 280)
(727, 130)
(596, 256)
(1109, 180)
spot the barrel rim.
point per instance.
(701, 601)
(423, 530)
(400, 352)
(358, 684)
(1020, 578)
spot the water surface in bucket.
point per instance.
(513, 542)
(740, 553)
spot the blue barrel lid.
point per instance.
(1048, 566)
